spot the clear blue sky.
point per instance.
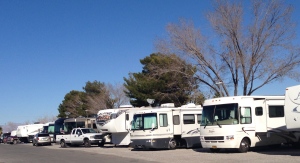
(48, 48)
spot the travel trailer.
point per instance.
(25, 132)
(242, 122)
(166, 127)
(115, 124)
(291, 108)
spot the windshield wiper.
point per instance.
(218, 124)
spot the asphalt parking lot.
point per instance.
(267, 154)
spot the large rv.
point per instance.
(292, 109)
(24, 131)
(59, 127)
(166, 127)
(115, 124)
(242, 122)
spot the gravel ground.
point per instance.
(274, 155)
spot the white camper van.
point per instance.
(115, 124)
(242, 122)
(166, 127)
(292, 109)
(25, 132)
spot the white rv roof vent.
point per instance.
(190, 105)
(126, 106)
(167, 105)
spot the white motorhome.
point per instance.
(115, 124)
(292, 109)
(166, 127)
(25, 132)
(242, 122)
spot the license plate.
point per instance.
(213, 146)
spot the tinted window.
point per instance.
(188, 119)
(258, 111)
(176, 120)
(43, 134)
(199, 118)
(276, 111)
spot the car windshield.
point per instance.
(88, 130)
(223, 114)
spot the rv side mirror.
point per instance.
(152, 126)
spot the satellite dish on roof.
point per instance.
(150, 101)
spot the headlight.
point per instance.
(230, 137)
(92, 137)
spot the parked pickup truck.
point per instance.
(81, 136)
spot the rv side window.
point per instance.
(276, 111)
(188, 119)
(258, 111)
(127, 117)
(246, 116)
(199, 118)
(176, 120)
(163, 120)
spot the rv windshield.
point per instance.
(224, 114)
(144, 121)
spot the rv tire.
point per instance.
(172, 144)
(244, 146)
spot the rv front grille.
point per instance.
(214, 138)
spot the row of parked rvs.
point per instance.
(238, 122)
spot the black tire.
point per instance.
(87, 143)
(244, 146)
(62, 144)
(215, 150)
(172, 144)
(102, 143)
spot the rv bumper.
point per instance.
(150, 143)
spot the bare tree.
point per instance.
(96, 103)
(248, 53)
(117, 93)
(10, 126)
(46, 119)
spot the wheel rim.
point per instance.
(172, 144)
